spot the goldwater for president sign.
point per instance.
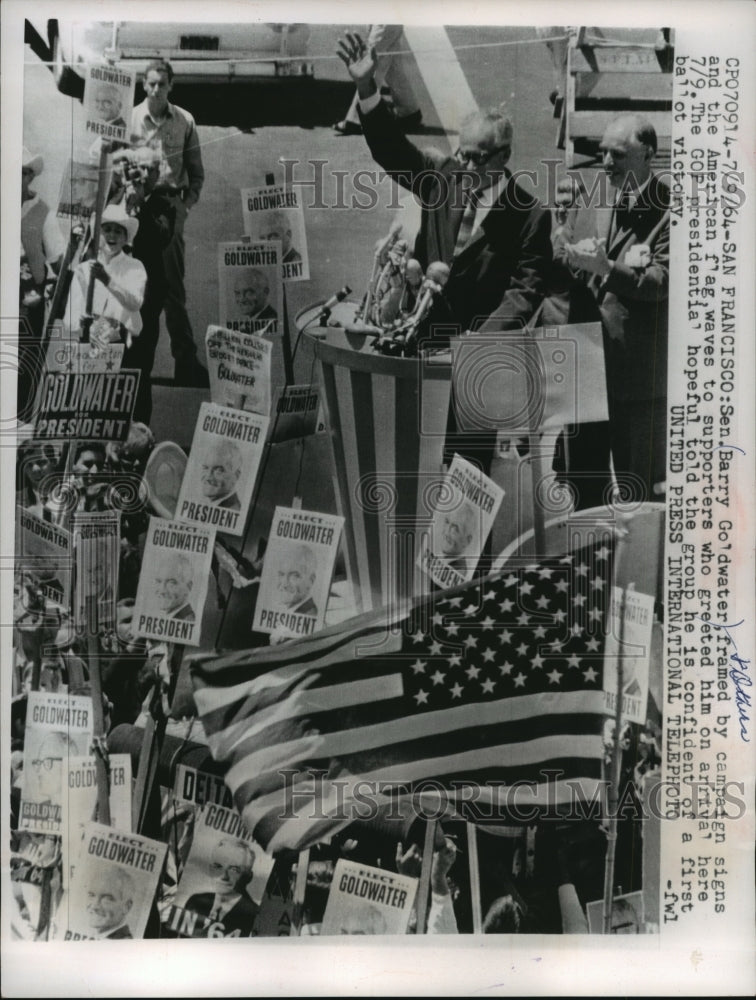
(96, 405)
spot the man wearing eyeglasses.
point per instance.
(45, 783)
(626, 267)
(228, 905)
(492, 234)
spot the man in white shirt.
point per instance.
(172, 131)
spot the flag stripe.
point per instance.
(479, 718)
(555, 752)
(308, 829)
(333, 700)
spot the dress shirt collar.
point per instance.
(157, 122)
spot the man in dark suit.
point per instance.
(231, 866)
(476, 219)
(627, 269)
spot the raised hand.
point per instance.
(360, 60)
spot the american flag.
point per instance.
(463, 694)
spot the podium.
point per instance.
(386, 420)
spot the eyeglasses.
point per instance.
(45, 762)
(477, 156)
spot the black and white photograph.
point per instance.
(466, 507)
(222, 468)
(377, 497)
(250, 286)
(112, 886)
(275, 213)
(239, 365)
(214, 897)
(173, 582)
(58, 727)
(297, 571)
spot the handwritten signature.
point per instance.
(739, 678)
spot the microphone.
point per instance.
(334, 300)
(435, 278)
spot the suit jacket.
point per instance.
(231, 502)
(307, 607)
(497, 281)
(120, 932)
(633, 302)
(267, 312)
(241, 917)
(185, 613)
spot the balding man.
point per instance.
(492, 234)
(276, 226)
(219, 473)
(228, 905)
(174, 580)
(110, 899)
(251, 292)
(627, 268)
(295, 577)
(456, 531)
(43, 786)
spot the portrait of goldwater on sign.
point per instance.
(173, 582)
(377, 439)
(297, 570)
(222, 469)
(250, 287)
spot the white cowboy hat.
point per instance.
(36, 163)
(115, 213)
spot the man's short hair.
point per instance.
(160, 66)
(183, 566)
(229, 451)
(246, 277)
(464, 517)
(125, 883)
(498, 119)
(276, 219)
(143, 151)
(112, 90)
(61, 739)
(249, 854)
(643, 130)
(306, 557)
(505, 916)
(98, 447)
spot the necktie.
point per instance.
(215, 912)
(471, 200)
(621, 214)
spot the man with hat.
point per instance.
(120, 283)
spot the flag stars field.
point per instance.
(517, 680)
